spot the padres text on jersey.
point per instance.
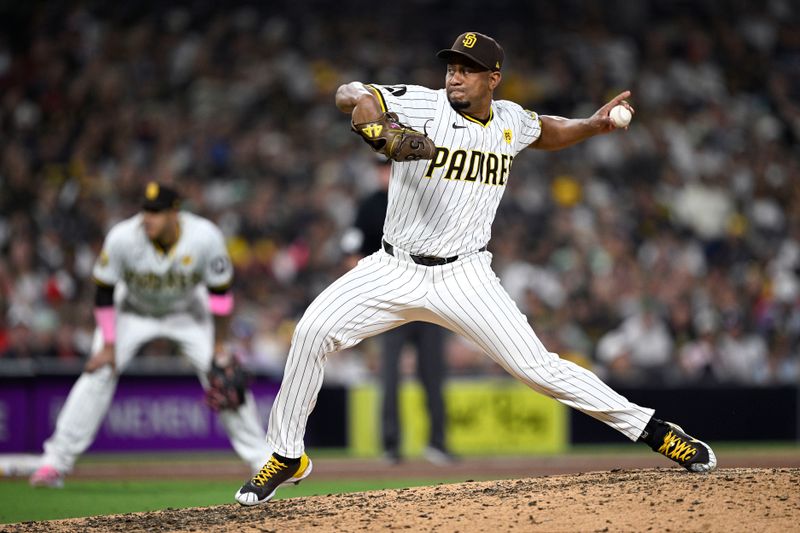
(445, 206)
(164, 281)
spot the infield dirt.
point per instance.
(653, 499)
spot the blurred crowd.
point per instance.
(667, 253)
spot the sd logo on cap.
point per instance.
(478, 48)
(159, 197)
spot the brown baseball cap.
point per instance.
(158, 197)
(477, 47)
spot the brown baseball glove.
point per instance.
(395, 140)
(226, 386)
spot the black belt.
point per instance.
(425, 260)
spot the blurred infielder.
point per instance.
(444, 190)
(162, 273)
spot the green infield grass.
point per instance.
(21, 503)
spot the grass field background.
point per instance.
(21, 503)
(82, 497)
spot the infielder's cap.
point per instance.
(478, 47)
(159, 197)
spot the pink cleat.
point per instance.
(47, 476)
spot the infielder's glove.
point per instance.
(395, 140)
(226, 385)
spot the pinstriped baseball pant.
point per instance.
(90, 397)
(383, 292)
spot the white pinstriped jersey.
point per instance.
(442, 207)
(446, 206)
(156, 282)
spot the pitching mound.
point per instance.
(740, 499)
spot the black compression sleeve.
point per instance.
(220, 290)
(104, 296)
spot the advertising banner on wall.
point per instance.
(483, 416)
(148, 413)
(15, 414)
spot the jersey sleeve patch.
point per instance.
(219, 271)
(220, 265)
(412, 103)
(396, 90)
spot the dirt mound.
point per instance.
(729, 500)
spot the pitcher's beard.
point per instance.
(458, 105)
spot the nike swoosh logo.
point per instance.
(456, 126)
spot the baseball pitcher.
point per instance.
(452, 152)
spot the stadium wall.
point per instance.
(166, 412)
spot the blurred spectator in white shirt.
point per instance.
(640, 348)
(742, 355)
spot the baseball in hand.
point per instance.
(620, 116)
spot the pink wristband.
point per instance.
(221, 304)
(106, 318)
